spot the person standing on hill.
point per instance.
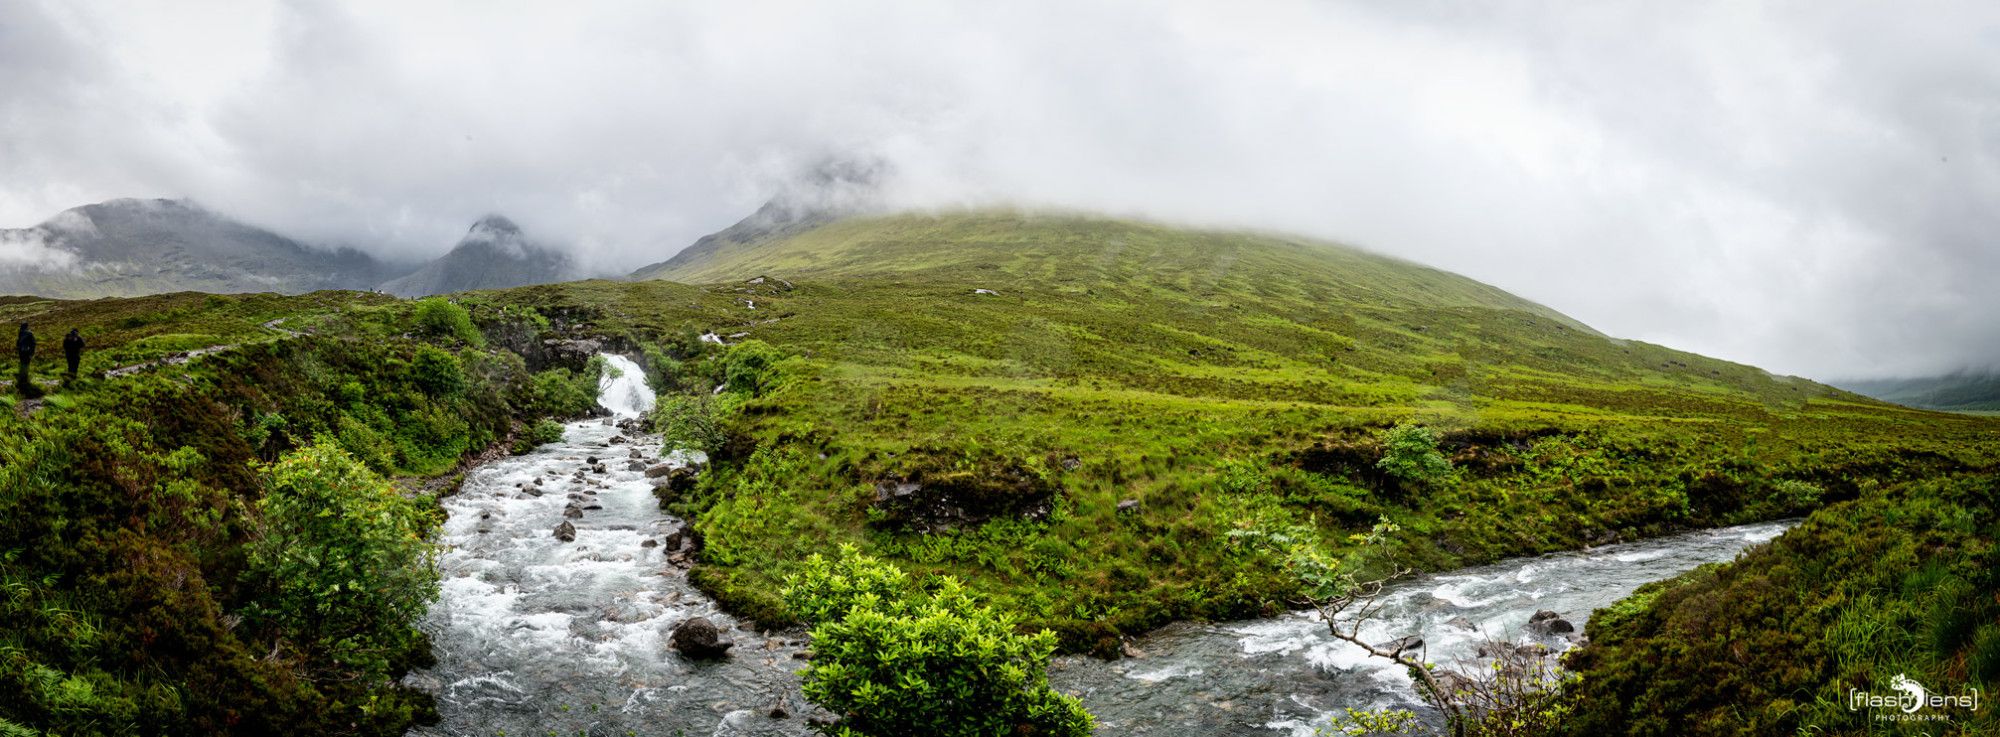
(25, 347)
(73, 350)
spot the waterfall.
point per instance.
(623, 388)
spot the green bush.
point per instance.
(439, 317)
(751, 367)
(543, 432)
(688, 422)
(893, 660)
(342, 559)
(1410, 452)
(438, 372)
(560, 392)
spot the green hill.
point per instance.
(1204, 381)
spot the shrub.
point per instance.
(892, 660)
(437, 372)
(543, 432)
(751, 367)
(1410, 452)
(342, 558)
(560, 392)
(688, 422)
(439, 317)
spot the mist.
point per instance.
(1805, 187)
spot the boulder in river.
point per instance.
(1547, 623)
(699, 639)
(566, 532)
(659, 470)
(1402, 645)
(635, 465)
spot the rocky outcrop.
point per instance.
(932, 502)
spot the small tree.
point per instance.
(688, 422)
(1410, 452)
(343, 558)
(439, 317)
(751, 367)
(891, 660)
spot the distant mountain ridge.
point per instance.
(1959, 391)
(493, 255)
(829, 192)
(132, 247)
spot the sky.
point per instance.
(1810, 187)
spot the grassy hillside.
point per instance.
(1206, 382)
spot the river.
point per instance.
(538, 636)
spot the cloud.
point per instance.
(1802, 186)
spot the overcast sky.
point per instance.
(1811, 187)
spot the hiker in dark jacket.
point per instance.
(25, 346)
(73, 350)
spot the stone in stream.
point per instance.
(573, 511)
(659, 470)
(699, 639)
(618, 440)
(635, 465)
(1547, 623)
(635, 454)
(650, 543)
(566, 532)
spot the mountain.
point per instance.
(1963, 391)
(133, 247)
(827, 193)
(492, 255)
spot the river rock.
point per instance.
(590, 460)
(635, 465)
(650, 543)
(1547, 623)
(618, 440)
(659, 470)
(699, 639)
(566, 532)
(573, 511)
(634, 454)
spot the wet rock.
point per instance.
(592, 507)
(659, 470)
(599, 468)
(699, 639)
(635, 465)
(590, 460)
(635, 454)
(1128, 505)
(1546, 623)
(650, 543)
(618, 440)
(566, 532)
(538, 481)
(573, 512)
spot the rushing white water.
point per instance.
(1286, 676)
(537, 636)
(622, 389)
